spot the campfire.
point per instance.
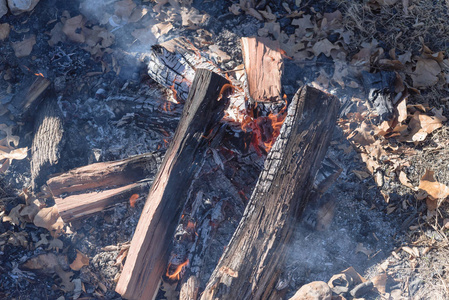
(187, 170)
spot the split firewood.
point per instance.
(148, 254)
(263, 66)
(95, 187)
(254, 258)
(28, 97)
(47, 143)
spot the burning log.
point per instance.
(252, 262)
(148, 254)
(47, 142)
(263, 66)
(117, 182)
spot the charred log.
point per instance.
(252, 262)
(148, 254)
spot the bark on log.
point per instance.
(117, 180)
(47, 143)
(252, 262)
(263, 66)
(148, 254)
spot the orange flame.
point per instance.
(166, 143)
(176, 274)
(39, 74)
(133, 199)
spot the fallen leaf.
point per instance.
(44, 262)
(430, 188)
(356, 277)
(324, 46)
(235, 9)
(49, 218)
(66, 285)
(4, 31)
(402, 110)
(14, 215)
(379, 282)
(55, 244)
(18, 154)
(303, 24)
(80, 261)
(78, 289)
(73, 29)
(361, 175)
(405, 181)
(24, 48)
(124, 8)
(426, 73)
(42, 241)
(412, 252)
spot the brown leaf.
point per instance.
(80, 261)
(4, 31)
(18, 154)
(324, 46)
(45, 262)
(49, 218)
(430, 188)
(56, 35)
(402, 110)
(74, 29)
(14, 215)
(405, 181)
(303, 24)
(426, 73)
(24, 48)
(363, 249)
(380, 282)
(124, 8)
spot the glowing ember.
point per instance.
(177, 273)
(39, 74)
(133, 199)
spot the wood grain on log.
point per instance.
(116, 180)
(263, 66)
(148, 254)
(47, 143)
(252, 262)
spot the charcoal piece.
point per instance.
(379, 89)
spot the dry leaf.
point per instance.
(324, 46)
(18, 154)
(24, 48)
(124, 8)
(303, 24)
(356, 277)
(14, 215)
(430, 188)
(426, 73)
(49, 218)
(66, 285)
(361, 175)
(56, 35)
(45, 262)
(379, 282)
(4, 31)
(55, 244)
(235, 9)
(161, 29)
(80, 261)
(78, 289)
(402, 110)
(74, 29)
(405, 181)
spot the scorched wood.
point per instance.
(253, 260)
(148, 254)
(95, 187)
(263, 66)
(29, 97)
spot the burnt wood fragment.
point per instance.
(379, 88)
(93, 188)
(253, 260)
(148, 254)
(28, 98)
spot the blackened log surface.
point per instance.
(148, 254)
(253, 260)
(47, 143)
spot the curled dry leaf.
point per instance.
(379, 283)
(431, 189)
(426, 73)
(80, 261)
(324, 46)
(14, 215)
(45, 263)
(18, 154)
(24, 48)
(124, 8)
